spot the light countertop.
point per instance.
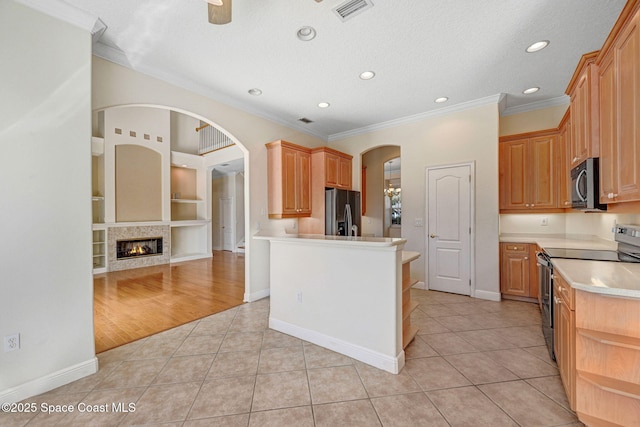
(322, 239)
(603, 277)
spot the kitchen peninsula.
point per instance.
(341, 293)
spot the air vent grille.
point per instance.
(305, 120)
(351, 8)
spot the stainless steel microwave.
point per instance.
(585, 186)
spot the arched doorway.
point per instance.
(181, 218)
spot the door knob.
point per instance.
(433, 236)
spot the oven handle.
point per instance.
(543, 259)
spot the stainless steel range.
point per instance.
(628, 238)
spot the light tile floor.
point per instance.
(473, 363)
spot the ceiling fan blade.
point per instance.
(220, 15)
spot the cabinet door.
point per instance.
(331, 170)
(514, 275)
(303, 183)
(514, 180)
(289, 177)
(566, 364)
(608, 131)
(628, 94)
(564, 167)
(580, 121)
(345, 173)
(543, 172)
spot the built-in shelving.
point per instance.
(99, 250)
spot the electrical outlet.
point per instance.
(299, 296)
(544, 221)
(11, 342)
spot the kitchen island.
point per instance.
(341, 293)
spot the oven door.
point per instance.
(545, 275)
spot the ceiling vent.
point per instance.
(351, 8)
(305, 120)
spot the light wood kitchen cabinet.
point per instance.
(289, 180)
(564, 342)
(337, 167)
(607, 359)
(564, 164)
(619, 86)
(330, 169)
(528, 171)
(583, 107)
(518, 272)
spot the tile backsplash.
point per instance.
(578, 223)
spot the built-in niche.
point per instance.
(138, 176)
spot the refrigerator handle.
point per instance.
(348, 221)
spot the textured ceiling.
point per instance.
(466, 50)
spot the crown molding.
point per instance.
(537, 105)
(489, 100)
(116, 56)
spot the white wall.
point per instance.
(463, 136)
(46, 283)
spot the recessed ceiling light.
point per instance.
(441, 99)
(530, 90)
(537, 46)
(323, 104)
(367, 75)
(255, 91)
(306, 33)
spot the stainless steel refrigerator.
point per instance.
(342, 213)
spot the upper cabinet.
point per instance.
(583, 91)
(289, 180)
(564, 162)
(619, 92)
(528, 171)
(334, 167)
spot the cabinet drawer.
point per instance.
(564, 291)
(515, 247)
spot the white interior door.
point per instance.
(449, 228)
(227, 224)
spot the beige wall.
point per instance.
(465, 136)
(46, 283)
(138, 176)
(116, 85)
(546, 118)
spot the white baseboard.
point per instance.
(420, 285)
(49, 382)
(365, 355)
(488, 295)
(255, 296)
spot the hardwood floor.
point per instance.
(133, 304)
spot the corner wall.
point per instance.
(46, 283)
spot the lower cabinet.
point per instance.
(518, 270)
(564, 343)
